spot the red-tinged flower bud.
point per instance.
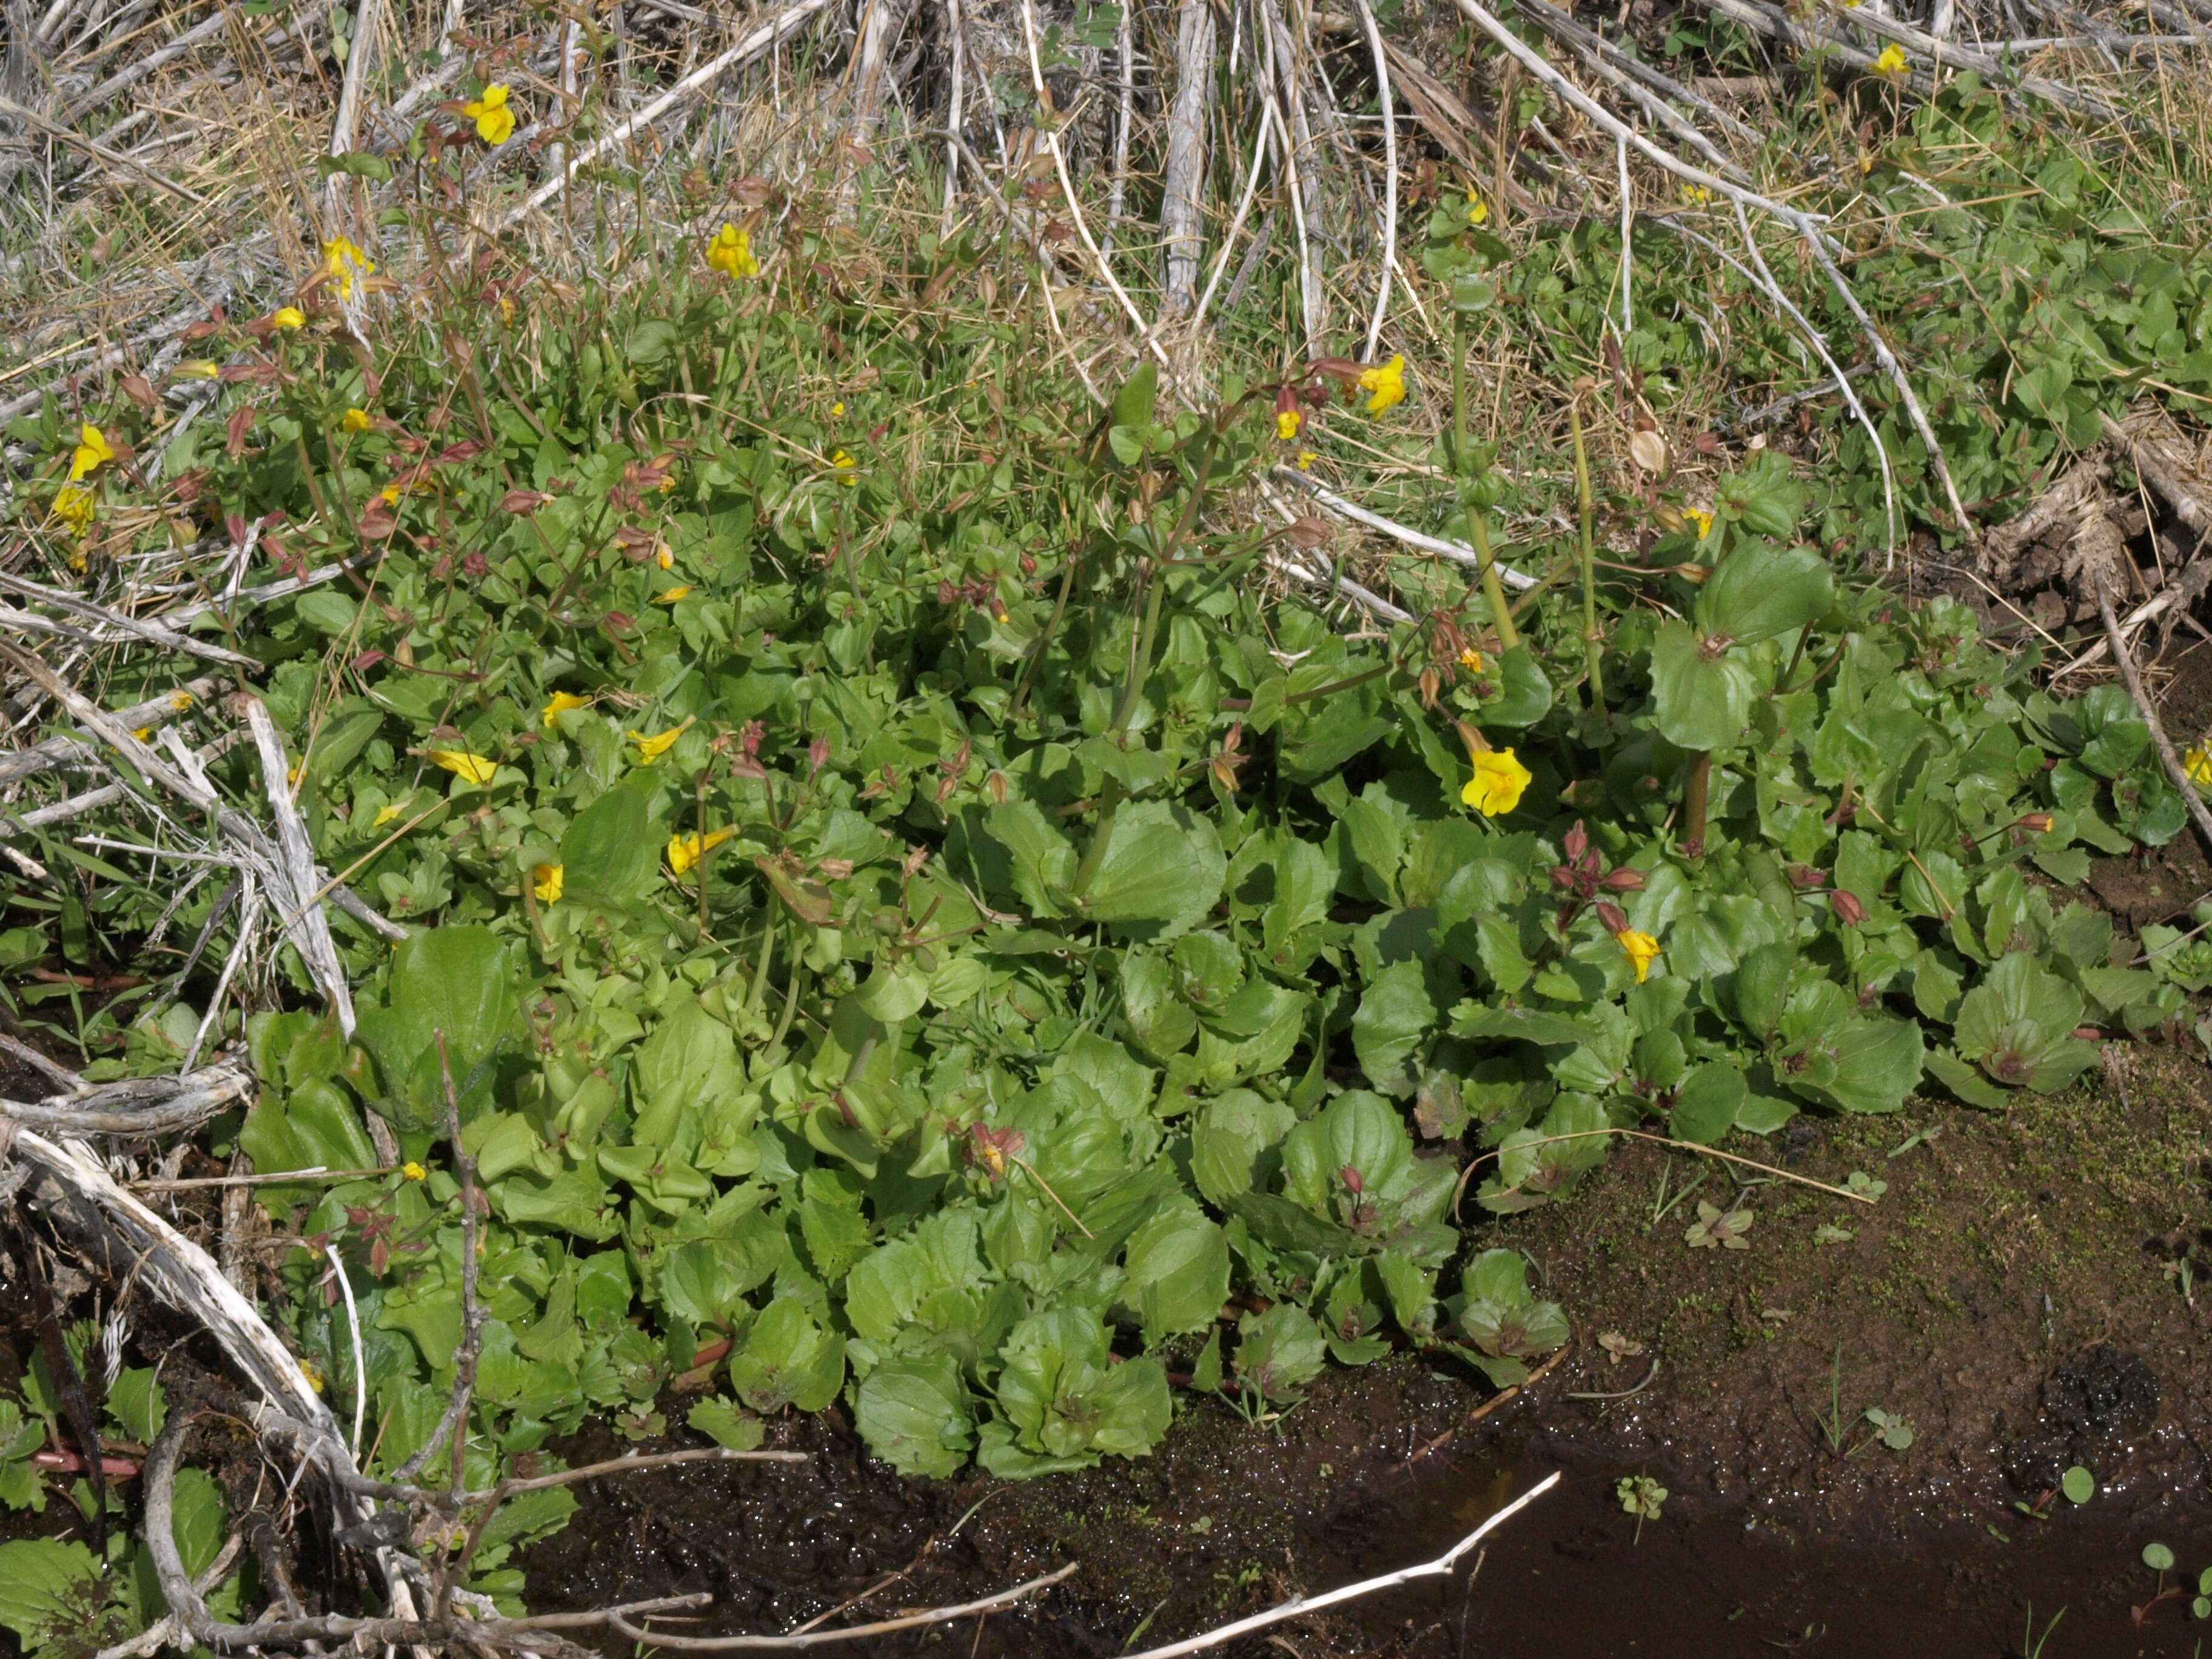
(1351, 1179)
(1845, 903)
(524, 501)
(1562, 876)
(1804, 877)
(1592, 862)
(1615, 919)
(817, 753)
(1625, 881)
(1341, 369)
(1577, 841)
(1028, 564)
(2040, 823)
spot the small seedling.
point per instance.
(1893, 1431)
(2078, 1484)
(1642, 1497)
(2032, 1645)
(1865, 1185)
(1716, 1226)
(1829, 1233)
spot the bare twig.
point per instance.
(2174, 770)
(1005, 1598)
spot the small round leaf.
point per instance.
(2079, 1485)
(2158, 1558)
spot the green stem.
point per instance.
(1592, 655)
(1493, 592)
(1140, 665)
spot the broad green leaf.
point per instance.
(1703, 696)
(913, 1412)
(1706, 1104)
(458, 981)
(1161, 865)
(609, 855)
(1279, 1353)
(1177, 1264)
(1759, 593)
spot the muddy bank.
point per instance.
(2017, 1294)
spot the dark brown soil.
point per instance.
(2008, 1294)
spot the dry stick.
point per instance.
(952, 115)
(1299, 1606)
(1237, 223)
(1117, 189)
(1005, 1598)
(753, 46)
(1183, 181)
(1280, 88)
(346, 123)
(1803, 223)
(1658, 1140)
(99, 152)
(1617, 66)
(1458, 552)
(155, 711)
(309, 1176)
(2129, 672)
(310, 930)
(149, 631)
(139, 1107)
(1626, 1394)
(1389, 176)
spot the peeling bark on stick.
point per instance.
(1182, 209)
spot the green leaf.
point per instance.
(48, 1586)
(728, 1425)
(1390, 1029)
(609, 856)
(1758, 593)
(1177, 1264)
(913, 1412)
(1706, 1104)
(198, 1515)
(1161, 865)
(137, 1402)
(458, 980)
(1232, 1131)
(1525, 696)
(1279, 1353)
(1702, 701)
(2078, 1484)
(787, 1360)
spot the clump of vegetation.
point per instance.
(906, 906)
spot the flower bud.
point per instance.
(1846, 905)
(1576, 842)
(2040, 823)
(1562, 876)
(1615, 919)
(1625, 881)
(1804, 877)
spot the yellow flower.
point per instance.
(410, 1170)
(312, 1373)
(289, 317)
(671, 596)
(1697, 195)
(73, 506)
(559, 703)
(1891, 62)
(1642, 948)
(474, 768)
(1702, 519)
(1388, 383)
(652, 748)
(342, 261)
(143, 733)
(730, 252)
(1498, 783)
(385, 815)
(684, 851)
(2197, 763)
(836, 409)
(1471, 660)
(1287, 422)
(546, 881)
(495, 121)
(181, 701)
(93, 451)
(662, 557)
(848, 469)
(195, 368)
(1306, 458)
(353, 420)
(1478, 210)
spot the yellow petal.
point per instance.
(475, 769)
(651, 749)
(289, 317)
(385, 815)
(1387, 385)
(143, 732)
(353, 420)
(546, 880)
(1642, 951)
(1287, 422)
(684, 851)
(559, 703)
(1498, 782)
(671, 596)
